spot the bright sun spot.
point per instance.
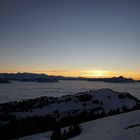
(100, 73)
(97, 73)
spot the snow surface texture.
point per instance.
(107, 99)
(109, 128)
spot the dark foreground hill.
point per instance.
(124, 126)
(45, 113)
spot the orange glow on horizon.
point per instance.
(97, 73)
(82, 73)
(108, 74)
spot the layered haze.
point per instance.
(89, 38)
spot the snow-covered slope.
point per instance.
(94, 100)
(119, 127)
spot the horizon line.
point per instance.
(98, 77)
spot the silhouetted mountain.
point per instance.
(120, 79)
(46, 80)
(69, 78)
(27, 77)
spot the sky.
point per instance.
(88, 38)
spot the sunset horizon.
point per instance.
(87, 38)
(81, 73)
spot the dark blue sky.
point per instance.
(70, 35)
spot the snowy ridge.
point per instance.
(46, 113)
(97, 100)
(111, 128)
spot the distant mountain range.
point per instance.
(41, 78)
(26, 77)
(120, 79)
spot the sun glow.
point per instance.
(100, 73)
(108, 74)
(97, 73)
